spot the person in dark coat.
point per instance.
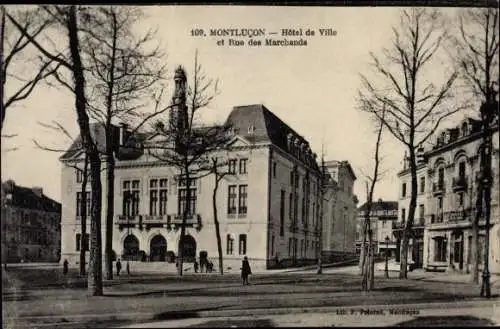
(118, 267)
(65, 267)
(245, 270)
(195, 266)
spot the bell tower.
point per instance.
(178, 113)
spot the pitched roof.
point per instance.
(256, 123)
(25, 197)
(380, 205)
(98, 134)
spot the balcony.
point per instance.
(192, 220)
(438, 188)
(436, 218)
(458, 215)
(127, 220)
(459, 183)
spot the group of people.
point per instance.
(208, 265)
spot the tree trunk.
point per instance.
(216, 222)
(83, 212)
(362, 250)
(2, 73)
(95, 263)
(403, 271)
(110, 181)
(185, 211)
(474, 251)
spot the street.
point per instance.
(42, 297)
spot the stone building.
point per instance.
(31, 229)
(339, 226)
(448, 174)
(383, 217)
(268, 204)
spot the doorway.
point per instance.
(158, 249)
(188, 245)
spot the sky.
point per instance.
(312, 88)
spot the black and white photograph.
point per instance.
(250, 165)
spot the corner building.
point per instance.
(268, 206)
(448, 175)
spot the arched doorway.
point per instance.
(131, 248)
(158, 249)
(188, 245)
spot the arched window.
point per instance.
(229, 244)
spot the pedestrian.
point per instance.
(65, 267)
(128, 268)
(245, 270)
(210, 267)
(118, 267)
(195, 266)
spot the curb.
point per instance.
(204, 313)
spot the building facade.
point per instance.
(448, 180)
(339, 213)
(383, 217)
(269, 203)
(31, 221)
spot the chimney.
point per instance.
(123, 131)
(38, 191)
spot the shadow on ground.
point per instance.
(446, 321)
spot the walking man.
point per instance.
(118, 267)
(245, 270)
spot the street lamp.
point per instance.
(386, 269)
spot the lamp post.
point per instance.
(386, 268)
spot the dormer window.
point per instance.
(251, 129)
(465, 129)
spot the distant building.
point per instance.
(339, 222)
(383, 217)
(31, 221)
(447, 188)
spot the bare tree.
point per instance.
(368, 251)
(414, 107)
(183, 145)
(477, 52)
(13, 46)
(67, 20)
(122, 74)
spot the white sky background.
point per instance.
(313, 89)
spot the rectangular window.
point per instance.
(421, 212)
(229, 244)
(182, 202)
(403, 190)
(79, 200)
(403, 215)
(291, 178)
(441, 177)
(440, 249)
(422, 184)
(282, 213)
(242, 244)
(163, 196)
(131, 198)
(243, 166)
(79, 175)
(86, 242)
(461, 169)
(232, 166)
(440, 203)
(290, 207)
(303, 210)
(274, 169)
(460, 198)
(153, 197)
(231, 201)
(242, 199)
